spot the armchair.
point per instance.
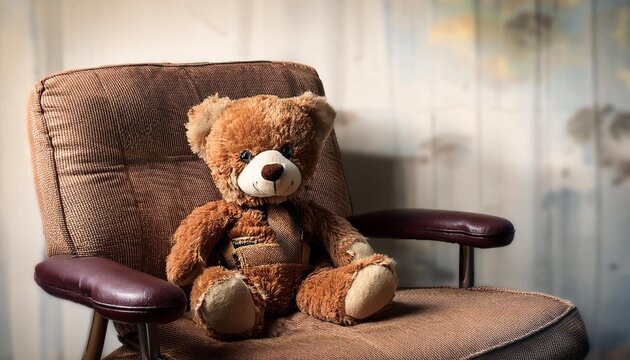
(115, 176)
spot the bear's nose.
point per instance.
(272, 172)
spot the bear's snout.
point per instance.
(272, 172)
(269, 174)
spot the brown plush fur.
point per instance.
(219, 129)
(280, 284)
(334, 232)
(195, 238)
(252, 225)
(323, 292)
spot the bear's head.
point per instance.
(261, 149)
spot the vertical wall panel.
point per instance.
(611, 30)
(568, 195)
(454, 118)
(407, 28)
(505, 104)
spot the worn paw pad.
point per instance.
(228, 307)
(373, 288)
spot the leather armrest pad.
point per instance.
(113, 290)
(477, 230)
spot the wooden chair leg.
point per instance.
(149, 342)
(466, 266)
(96, 339)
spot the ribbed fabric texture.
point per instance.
(288, 234)
(440, 323)
(113, 170)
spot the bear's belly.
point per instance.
(280, 283)
(276, 271)
(268, 247)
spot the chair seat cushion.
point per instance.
(429, 323)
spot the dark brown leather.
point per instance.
(478, 230)
(113, 290)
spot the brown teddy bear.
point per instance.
(260, 251)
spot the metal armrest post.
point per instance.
(96, 339)
(466, 266)
(149, 342)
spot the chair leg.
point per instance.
(149, 342)
(466, 266)
(96, 339)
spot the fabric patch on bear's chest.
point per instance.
(252, 228)
(272, 235)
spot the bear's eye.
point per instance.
(246, 156)
(286, 151)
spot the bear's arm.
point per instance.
(341, 240)
(195, 238)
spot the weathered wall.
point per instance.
(518, 108)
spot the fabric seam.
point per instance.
(570, 308)
(521, 292)
(470, 234)
(197, 64)
(66, 232)
(343, 174)
(457, 232)
(194, 85)
(127, 176)
(531, 333)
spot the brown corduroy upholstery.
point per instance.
(439, 323)
(115, 176)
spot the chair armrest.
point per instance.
(115, 291)
(470, 229)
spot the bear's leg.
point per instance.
(222, 302)
(350, 293)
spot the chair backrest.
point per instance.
(112, 167)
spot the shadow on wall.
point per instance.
(375, 183)
(371, 181)
(612, 127)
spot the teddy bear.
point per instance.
(261, 251)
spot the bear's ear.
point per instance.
(318, 109)
(200, 120)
